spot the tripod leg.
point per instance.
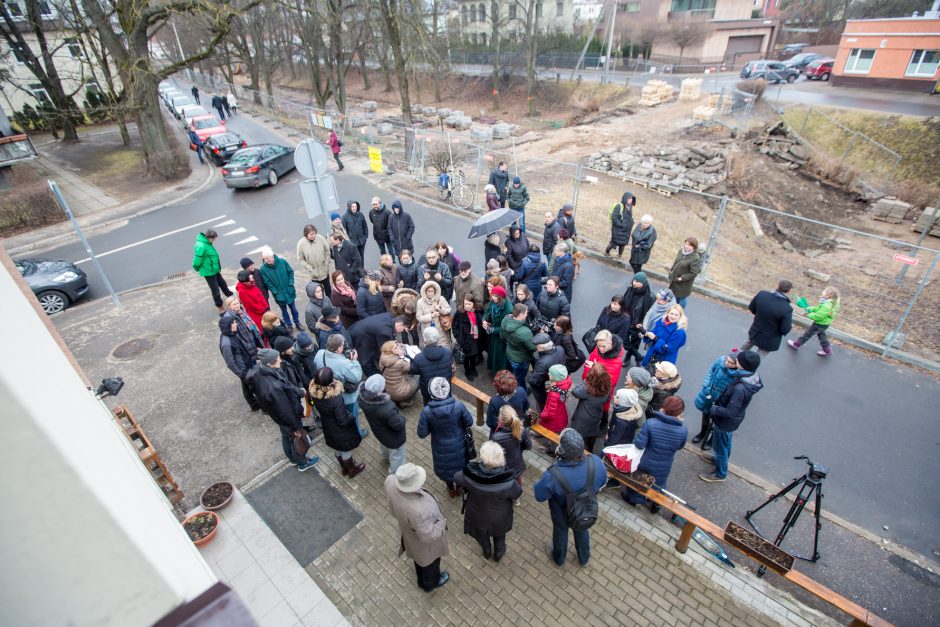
(774, 497)
(818, 514)
(795, 510)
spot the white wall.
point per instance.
(86, 536)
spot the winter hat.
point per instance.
(666, 370)
(244, 276)
(566, 208)
(376, 200)
(516, 180)
(267, 356)
(570, 445)
(492, 264)
(666, 294)
(373, 275)
(245, 262)
(281, 343)
(330, 312)
(375, 384)
(641, 277)
(304, 340)
(558, 373)
(499, 290)
(410, 477)
(396, 204)
(439, 388)
(749, 360)
(673, 406)
(266, 251)
(626, 397)
(464, 265)
(640, 376)
(541, 338)
(334, 216)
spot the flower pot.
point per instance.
(201, 527)
(765, 552)
(217, 496)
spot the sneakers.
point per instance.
(794, 344)
(310, 463)
(711, 478)
(825, 352)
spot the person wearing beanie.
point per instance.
(636, 302)
(547, 356)
(239, 345)
(248, 264)
(336, 227)
(340, 430)
(303, 357)
(621, 224)
(640, 379)
(496, 310)
(664, 300)
(251, 298)
(206, 263)
(290, 367)
(446, 420)
(665, 383)
(421, 523)
(517, 198)
(719, 376)
(279, 277)
(386, 422)
(573, 472)
(566, 220)
(313, 252)
(282, 401)
(660, 438)
(554, 414)
(628, 419)
(401, 230)
(728, 411)
(773, 319)
(378, 216)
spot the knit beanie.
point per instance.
(558, 373)
(245, 262)
(641, 277)
(640, 376)
(439, 388)
(282, 343)
(375, 384)
(749, 360)
(267, 356)
(516, 180)
(570, 445)
(304, 340)
(673, 406)
(244, 276)
(334, 216)
(626, 398)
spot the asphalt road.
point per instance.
(868, 420)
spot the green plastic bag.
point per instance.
(802, 303)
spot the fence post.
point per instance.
(576, 190)
(893, 337)
(920, 240)
(713, 236)
(476, 192)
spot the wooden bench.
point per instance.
(860, 615)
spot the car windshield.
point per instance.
(244, 157)
(207, 123)
(224, 139)
(182, 101)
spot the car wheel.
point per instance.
(791, 78)
(52, 302)
(824, 77)
(272, 177)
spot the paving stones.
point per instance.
(696, 166)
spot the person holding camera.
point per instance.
(346, 369)
(518, 338)
(552, 301)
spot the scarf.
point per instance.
(562, 394)
(474, 331)
(655, 313)
(346, 290)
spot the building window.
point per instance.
(17, 53)
(75, 48)
(538, 9)
(923, 63)
(482, 12)
(40, 94)
(473, 14)
(859, 61)
(628, 7)
(512, 11)
(12, 8)
(560, 8)
(463, 14)
(696, 7)
(44, 9)
(483, 38)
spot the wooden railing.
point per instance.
(860, 615)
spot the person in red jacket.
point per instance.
(554, 416)
(609, 353)
(335, 145)
(252, 299)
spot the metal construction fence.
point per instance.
(748, 247)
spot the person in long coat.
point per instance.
(644, 237)
(514, 437)
(609, 353)
(660, 438)
(430, 308)
(252, 299)
(347, 259)
(491, 489)
(387, 423)
(395, 367)
(401, 229)
(367, 337)
(239, 346)
(343, 297)
(389, 280)
(340, 431)
(469, 334)
(498, 308)
(589, 415)
(636, 301)
(421, 523)
(378, 216)
(685, 268)
(621, 224)
(357, 227)
(446, 421)
(554, 416)
(517, 248)
(279, 277)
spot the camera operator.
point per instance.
(345, 366)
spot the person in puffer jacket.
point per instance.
(340, 431)
(387, 423)
(660, 438)
(446, 420)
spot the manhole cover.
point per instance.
(132, 348)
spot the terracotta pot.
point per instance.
(208, 538)
(215, 508)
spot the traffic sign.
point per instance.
(911, 261)
(311, 159)
(320, 196)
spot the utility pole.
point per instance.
(180, 46)
(610, 37)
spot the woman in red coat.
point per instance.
(335, 146)
(554, 416)
(252, 299)
(609, 353)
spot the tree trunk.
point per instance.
(392, 14)
(494, 43)
(531, 29)
(161, 154)
(365, 72)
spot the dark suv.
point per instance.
(772, 71)
(801, 60)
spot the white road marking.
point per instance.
(247, 240)
(256, 250)
(240, 229)
(226, 223)
(150, 239)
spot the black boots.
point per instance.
(705, 435)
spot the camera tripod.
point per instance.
(809, 484)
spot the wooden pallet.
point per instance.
(147, 453)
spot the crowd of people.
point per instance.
(374, 337)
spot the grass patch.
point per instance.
(115, 165)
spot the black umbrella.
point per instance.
(492, 222)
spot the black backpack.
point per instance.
(581, 508)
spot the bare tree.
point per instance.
(685, 33)
(394, 16)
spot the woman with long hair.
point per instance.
(508, 392)
(562, 335)
(589, 416)
(666, 337)
(514, 437)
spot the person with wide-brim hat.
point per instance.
(422, 524)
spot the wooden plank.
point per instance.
(480, 397)
(851, 608)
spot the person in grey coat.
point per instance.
(644, 237)
(357, 227)
(589, 418)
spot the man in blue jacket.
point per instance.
(573, 467)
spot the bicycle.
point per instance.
(452, 186)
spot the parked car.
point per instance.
(56, 283)
(189, 112)
(258, 165)
(792, 49)
(178, 103)
(773, 71)
(220, 148)
(801, 60)
(206, 125)
(820, 69)
(171, 93)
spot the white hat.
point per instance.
(625, 397)
(266, 251)
(410, 477)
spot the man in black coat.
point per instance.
(433, 361)
(566, 220)
(378, 216)
(280, 400)
(499, 178)
(218, 106)
(347, 259)
(401, 228)
(368, 335)
(546, 356)
(357, 227)
(773, 319)
(239, 346)
(550, 234)
(636, 301)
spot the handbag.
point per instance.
(458, 354)
(588, 339)
(470, 449)
(301, 442)
(447, 322)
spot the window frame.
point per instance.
(559, 8)
(45, 9)
(75, 42)
(18, 13)
(857, 52)
(923, 52)
(36, 89)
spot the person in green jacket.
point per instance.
(518, 338)
(279, 278)
(822, 316)
(206, 263)
(518, 197)
(496, 310)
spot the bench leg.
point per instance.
(480, 413)
(682, 544)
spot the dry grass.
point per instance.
(832, 171)
(28, 204)
(755, 86)
(917, 193)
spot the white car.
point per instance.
(166, 94)
(189, 112)
(178, 103)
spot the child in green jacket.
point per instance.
(822, 316)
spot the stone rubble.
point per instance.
(890, 209)
(698, 166)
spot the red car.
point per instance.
(820, 69)
(206, 125)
